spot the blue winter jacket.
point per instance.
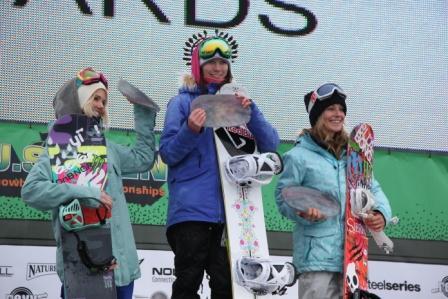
(319, 246)
(193, 174)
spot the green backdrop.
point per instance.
(415, 183)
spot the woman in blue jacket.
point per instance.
(318, 161)
(196, 216)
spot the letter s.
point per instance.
(311, 21)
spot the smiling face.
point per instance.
(215, 70)
(333, 119)
(96, 105)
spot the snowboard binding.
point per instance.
(72, 218)
(251, 170)
(362, 201)
(262, 277)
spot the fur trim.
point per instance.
(187, 81)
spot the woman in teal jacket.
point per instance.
(40, 192)
(318, 161)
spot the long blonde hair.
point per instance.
(335, 143)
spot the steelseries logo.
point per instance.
(394, 286)
(37, 270)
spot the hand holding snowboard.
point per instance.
(229, 108)
(136, 96)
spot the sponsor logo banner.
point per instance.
(34, 270)
(386, 279)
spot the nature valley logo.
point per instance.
(36, 270)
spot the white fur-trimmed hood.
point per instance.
(187, 82)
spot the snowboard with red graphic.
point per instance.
(358, 180)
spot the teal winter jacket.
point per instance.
(319, 246)
(41, 193)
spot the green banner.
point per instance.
(415, 183)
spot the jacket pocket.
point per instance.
(321, 230)
(322, 243)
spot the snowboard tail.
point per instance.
(88, 281)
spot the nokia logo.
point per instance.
(163, 271)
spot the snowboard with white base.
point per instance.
(243, 171)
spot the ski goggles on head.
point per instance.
(89, 76)
(210, 47)
(327, 90)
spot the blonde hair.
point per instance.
(88, 110)
(335, 143)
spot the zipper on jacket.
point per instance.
(342, 217)
(219, 179)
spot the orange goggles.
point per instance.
(89, 76)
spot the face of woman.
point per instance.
(333, 119)
(215, 69)
(97, 104)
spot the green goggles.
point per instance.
(210, 47)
